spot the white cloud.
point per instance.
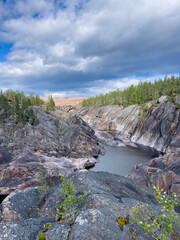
(96, 88)
(103, 38)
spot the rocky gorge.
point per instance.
(156, 129)
(66, 140)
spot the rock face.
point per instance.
(163, 172)
(59, 145)
(157, 129)
(160, 127)
(112, 119)
(109, 197)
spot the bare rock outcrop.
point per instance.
(162, 171)
(159, 128)
(59, 145)
(109, 197)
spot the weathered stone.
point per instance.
(101, 224)
(174, 146)
(59, 145)
(161, 171)
(104, 189)
(109, 196)
(162, 99)
(58, 232)
(175, 167)
(23, 171)
(27, 230)
(5, 157)
(79, 139)
(175, 188)
(158, 128)
(141, 171)
(162, 180)
(22, 205)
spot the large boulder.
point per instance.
(109, 196)
(99, 224)
(19, 206)
(27, 230)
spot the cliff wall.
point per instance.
(156, 128)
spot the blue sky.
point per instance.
(74, 48)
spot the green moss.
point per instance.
(47, 226)
(133, 232)
(42, 236)
(122, 221)
(71, 221)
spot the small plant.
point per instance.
(162, 226)
(44, 185)
(67, 206)
(42, 236)
(125, 221)
(47, 226)
(122, 221)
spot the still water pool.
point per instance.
(120, 160)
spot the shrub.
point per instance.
(162, 226)
(67, 206)
(44, 185)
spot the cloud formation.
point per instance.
(66, 46)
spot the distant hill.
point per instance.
(65, 101)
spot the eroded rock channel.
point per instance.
(157, 130)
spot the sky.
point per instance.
(82, 48)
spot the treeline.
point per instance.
(140, 94)
(19, 107)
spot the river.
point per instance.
(120, 160)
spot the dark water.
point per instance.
(120, 160)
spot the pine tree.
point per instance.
(50, 104)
